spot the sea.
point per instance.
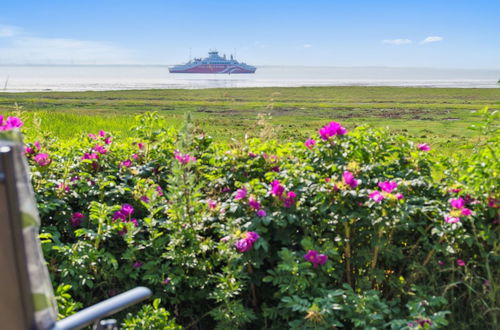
(24, 78)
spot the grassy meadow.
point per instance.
(437, 115)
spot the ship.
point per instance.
(214, 63)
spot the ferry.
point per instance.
(214, 63)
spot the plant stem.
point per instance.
(347, 253)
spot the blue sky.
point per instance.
(448, 34)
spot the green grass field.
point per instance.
(437, 115)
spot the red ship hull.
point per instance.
(214, 68)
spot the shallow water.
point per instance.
(95, 78)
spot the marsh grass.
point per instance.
(437, 115)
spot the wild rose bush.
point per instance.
(347, 229)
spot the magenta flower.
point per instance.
(135, 156)
(62, 186)
(254, 204)
(145, 199)
(100, 149)
(212, 205)
(252, 236)
(29, 150)
(246, 244)
(423, 147)
(76, 219)
(134, 221)
(440, 263)
(243, 245)
(108, 140)
(159, 191)
(316, 259)
(140, 145)
(376, 196)
(127, 209)
(290, 199)
(276, 188)
(137, 264)
(10, 123)
(43, 159)
(400, 196)
(457, 203)
(261, 213)
(184, 159)
(92, 136)
(310, 143)
(349, 179)
(449, 219)
(240, 194)
(90, 156)
(102, 133)
(465, 211)
(166, 281)
(388, 186)
(126, 163)
(332, 129)
(252, 155)
(460, 262)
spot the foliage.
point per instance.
(353, 230)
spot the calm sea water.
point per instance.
(95, 78)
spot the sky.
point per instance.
(438, 34)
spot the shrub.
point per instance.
(350, 229)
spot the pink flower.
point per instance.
(457, 203)
(310, 143)
(388, 186)
(166, 281)
(184, 159)
(212, 205)
(100, 149)
(252, 236)
(159, 191)
(140, 145)
(460, 262)
(240, 194)
(145, 199)
(246, 244)
(376, 196)
(332, 129)
(76, 219)
(466, 211)
(254, 204)
(10, 123)
(261, 213)
(316, 259)
(440, 263)
(90, 156)
(127, 209)
(423, 147)
(349, 179)
(63, 187)
(243, 245)
(449, 219)
(135, 156)
(92, 136)
(126, 163)
(290, 199)
(400, 196)
(276, 188)
(137, 264)
(29, 150)
(108, 140)
(102, 133)
(252, 155)
(43, 159)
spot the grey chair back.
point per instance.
(16, 305)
